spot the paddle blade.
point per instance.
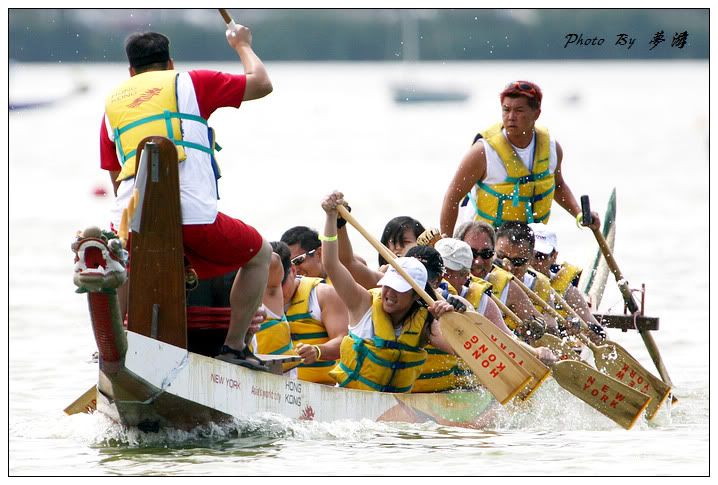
(522, 356)
(563, 349)
(87, 403)
(614, 360)
(623, 404)
(493, 368)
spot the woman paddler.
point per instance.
(389, 325)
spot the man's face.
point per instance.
(542, 262)
(517, 116)
(481, 245)
(307, 263)
(515, 256)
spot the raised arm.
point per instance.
(356, 298)
(471, 169)
(259, 85)
(361, 273)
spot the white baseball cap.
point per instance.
(413, 267)
(456, 253)
(545, 238)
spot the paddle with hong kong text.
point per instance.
(494, 369)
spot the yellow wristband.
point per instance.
(319, 351)
(322, 237)
(579, 219)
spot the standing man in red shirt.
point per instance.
(157, 100)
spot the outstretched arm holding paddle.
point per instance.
(239, 38)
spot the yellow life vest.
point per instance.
(565, 277)
(274, 338)
(523, 196)
(443, 371)
(562, 280)
(499, 278)
(146, 105)
(542, 287)
(385, 363)
(309, 331)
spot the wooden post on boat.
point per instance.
(157, 289)
(625, 292)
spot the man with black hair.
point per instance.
(306, 251)
(158, 101)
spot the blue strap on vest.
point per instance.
(362, 353)
(167, 116)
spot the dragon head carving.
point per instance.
(100, 261)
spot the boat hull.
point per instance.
(165, 386)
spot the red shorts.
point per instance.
(218, 248)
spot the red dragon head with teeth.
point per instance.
(100, 261)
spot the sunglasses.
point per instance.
(485, 253)
(298, 260)
(540, 256)
(517, 262)
(527, 88)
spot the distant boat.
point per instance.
(428, 94)
(41, 103)
(409, 91)
(25, 101)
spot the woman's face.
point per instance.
(406, 242)
(393, 301)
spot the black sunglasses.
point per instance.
(485, 253)
(540, 256)
(518, 262)
(297, 260)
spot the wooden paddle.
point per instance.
(625, 292)
(567, 377)
(562, 349)
(514, 349)
(227, 17)
(617, 362)
(87, 403)
(638, 401)
(494, 369)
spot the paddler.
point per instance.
(481, 238)
(443, 371)
(564, 277)
(305, 251)
(157, 100)
(389, 327)
(514, 249)
(514, 172)
(308, 315)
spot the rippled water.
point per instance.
(640, 127)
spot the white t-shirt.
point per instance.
(198, 188)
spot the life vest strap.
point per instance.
(167, 116)
(323, 363)
(309, 336)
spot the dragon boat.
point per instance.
(156, 369)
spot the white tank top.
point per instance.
(495, 170)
